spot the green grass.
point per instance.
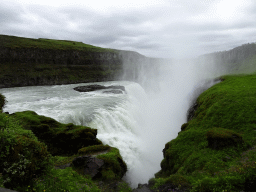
(226, 111)
(21, 42)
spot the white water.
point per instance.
(137, 123)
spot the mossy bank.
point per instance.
(215, 151)
(38, 154)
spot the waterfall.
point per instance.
(138, 123)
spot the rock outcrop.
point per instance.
(88, 165)
(219, 138)
(56, 135)
(111, 89)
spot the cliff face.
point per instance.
(30, 62)
(57, 56)
(241, 59)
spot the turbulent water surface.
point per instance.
(116, 116)
(138, 123)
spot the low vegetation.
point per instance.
(31, 151)
(216, 149)
(41, 43)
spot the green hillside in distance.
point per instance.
(41, 43)
(32, 62)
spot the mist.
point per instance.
(171, 87)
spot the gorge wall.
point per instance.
(240, 59)
(30, 62)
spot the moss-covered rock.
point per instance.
(219, 138)
(61, 139)
(114, 167)
(108, 165)
(183, 127)
(88, 165)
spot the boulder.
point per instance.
(219, 138)
(115, 89)
(56, 135)
(89, 88)
(88, 165)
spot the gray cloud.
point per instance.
(168, 29)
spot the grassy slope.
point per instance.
(21, 42)
(229, 106)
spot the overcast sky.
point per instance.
(154, 28)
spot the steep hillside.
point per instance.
(26, 62)
(215, 151)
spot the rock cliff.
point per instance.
(30, 62)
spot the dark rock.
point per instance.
(88, 88)
(88, 165)
(191, 111)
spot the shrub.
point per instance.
(26, 158)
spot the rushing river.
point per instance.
(118, 117)
(137, 122)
